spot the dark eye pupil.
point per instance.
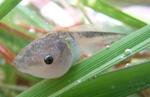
(48, 59)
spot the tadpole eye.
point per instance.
(48, 59)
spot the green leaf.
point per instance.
(95, 65)
(11, 40)
(6, 6)
(103, 7)
(10, 74)
(114, 84)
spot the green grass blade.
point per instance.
(102, 6)
(10, 74)
(11, 41)
(114, 84)
(96, 64)
(6, 6)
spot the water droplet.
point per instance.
(128, 51)
(128, 64)
(107, 46)
(122, 56)
(78, 81)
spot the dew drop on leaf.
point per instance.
(107, 46)
(128, 64)
(128, 51)
(122, 56)
(78, 81)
